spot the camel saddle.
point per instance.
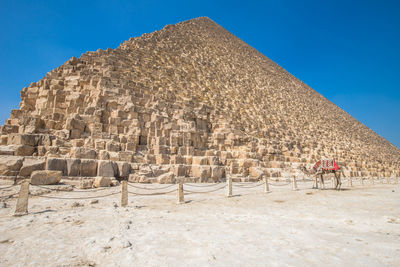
(326, 164)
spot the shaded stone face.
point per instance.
(191, 100)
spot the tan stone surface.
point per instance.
(45, 177)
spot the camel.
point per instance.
(322, 167)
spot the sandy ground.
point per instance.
(359, 226)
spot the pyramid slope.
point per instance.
(194, 100)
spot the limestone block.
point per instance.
(24, 150)
(3, 140)
(124, 169)
(31, 165)
(213, 160)
(217, 172)
(107, 168)
(201, 171)
(57, 164)
(166, 178)
(83, 153)
(45, 177)
(88, 168)
(126, 156)
(7, 150)
(102, 182)
(104, 155)
(200, 161)
(179, 170)
(73, 167)
(10, 165)
(162, 159)
(23, 139)
(113, 147)
(256, 172)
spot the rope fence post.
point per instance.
(372, 180)
(350, 182)
(362, 181)
(294, 184)
(397, 180)
(22, 202)
(124, 193)
(229, 188)
(388, 180)
(181, 195)
(266, 185)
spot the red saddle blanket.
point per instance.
(326, 164)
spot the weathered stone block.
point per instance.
(166, 178)
(73, 167)
(57, 164)
(107, 168)
(46, 177)
(102, 182)
(124, 169)
(88, 168)
(9, 165)
(200, 161)
(24, 150)
(217, 172)
(203, 172)
(31, 165)
(83, 153)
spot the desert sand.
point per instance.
(357, 226)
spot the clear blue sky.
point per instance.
(349, 51)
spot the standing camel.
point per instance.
(322, 167)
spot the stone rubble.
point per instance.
(191, 102)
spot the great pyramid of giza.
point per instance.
(190, 101)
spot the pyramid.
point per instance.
(191, 102)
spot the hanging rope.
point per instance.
(1, 188)
(152, 194)
(196, 192)
(144, 188)
(242, 186)
(7, 196)
(206, 185)
(79, 198)
(72, 190)
(280, 184)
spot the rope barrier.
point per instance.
(144, 188)
(152, 194)
(1, 188)
(242, 186)
(7, 196)
(194, 192)
(79, 198)
(72, 190)
(208, 185)
(279, 184)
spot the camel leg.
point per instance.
(339, 181)
(315, 184)
(322, 182)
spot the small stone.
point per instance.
(126, 244)
(95, 201)
(115, 205)
(76, 204)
